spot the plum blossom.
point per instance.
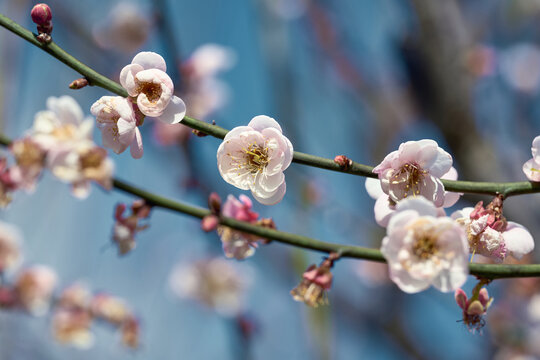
(532, 167)
(385, 207)
(63, 123)
(217, 283)
(125, 28)
(9, 182)
(422, 249)
(415, 169)
(34, 287)
(147, 82)
(10, 241)
(110, 308)
(126, 227)
(237, 244)
(316, 281)
(490, 234)
(253, 157)
(474, 308)
(80, 164)
(73, 327)
(118, 120)
(30, 160)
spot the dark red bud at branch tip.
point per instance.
(78, 84)
(41, 14)
(214, 203)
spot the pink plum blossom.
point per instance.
(415, 169)
(146, 81)
(217, 283)
(422, 249)
(237, 244)
(30, 159)
(126, 227)
(474, 308)
(316, 281)
(81, 164)
(253, 157)
(532, 167)
(489, 234)
(10, 179)
(118, 120)
(110, 308)
(73, 327)
(34, 287)
(385, 207)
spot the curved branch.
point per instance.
(94, 78)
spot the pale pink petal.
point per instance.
(236, 131)
(452, 174)
(433, 188)
(400, 220)
(127, 78)
(174, 112)
(262, 122)
(271, 183)
(275, 198)
(461, 298)
(535, 150)
(81, 189)
(66, 109)
(419, 204)
(126, 131)
(532, 170)
(136, 148)
(518, 240)
(383, 211)
(449, 279)
(373, 187)
(150, 60)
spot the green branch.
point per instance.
(94, 78)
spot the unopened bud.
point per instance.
(41, 15)
(344, 162)
(78, 84)
(209, 223)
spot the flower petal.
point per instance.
(136, 148)
(518, 240)
(174, 112)
(262, 122)
(150, 60)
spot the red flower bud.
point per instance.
(41, 14)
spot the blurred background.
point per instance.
(353, 77)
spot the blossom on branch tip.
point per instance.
(415, 169)
(422, 249)
(490, 234)
(118, 121)
(316, 281)
(151, 88)
(474, 308)
(253, 157)
(532, 167)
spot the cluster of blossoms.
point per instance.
(32, 291)
(216, 283)
(236, 244)
(489, 234)
(76, 309)
(201, 89)
(150, 92)
(61, 141)
(126, 227)
(253, 157)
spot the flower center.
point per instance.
(28, 154)
(151, 90)
(424, 246)
(91, 159)
(411, 175)
(65, 132)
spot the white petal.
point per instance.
(150, 60)
(262, 122)
(136, 148)
(174, 112)
(275, 198)
(373, 187)
(518, 240)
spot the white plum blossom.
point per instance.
(489, 234)
(80, 164)
(147, 82)
(10, 243)
(63, 123)
(253, 157)
(422, 249)
(532, 167)
(208, 60)
(217, 283)
(415, 169)
(118, 120)
(385, 207)
(34, 287)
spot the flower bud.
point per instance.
(214, 203)
(209, 223)
(78, 84)
(41, 14)
(344, 162)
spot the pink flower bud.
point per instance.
(343, 161)
(214, 203)
(41, 14)
(209, 223)
(78, 84)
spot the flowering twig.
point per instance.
(492, 188)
